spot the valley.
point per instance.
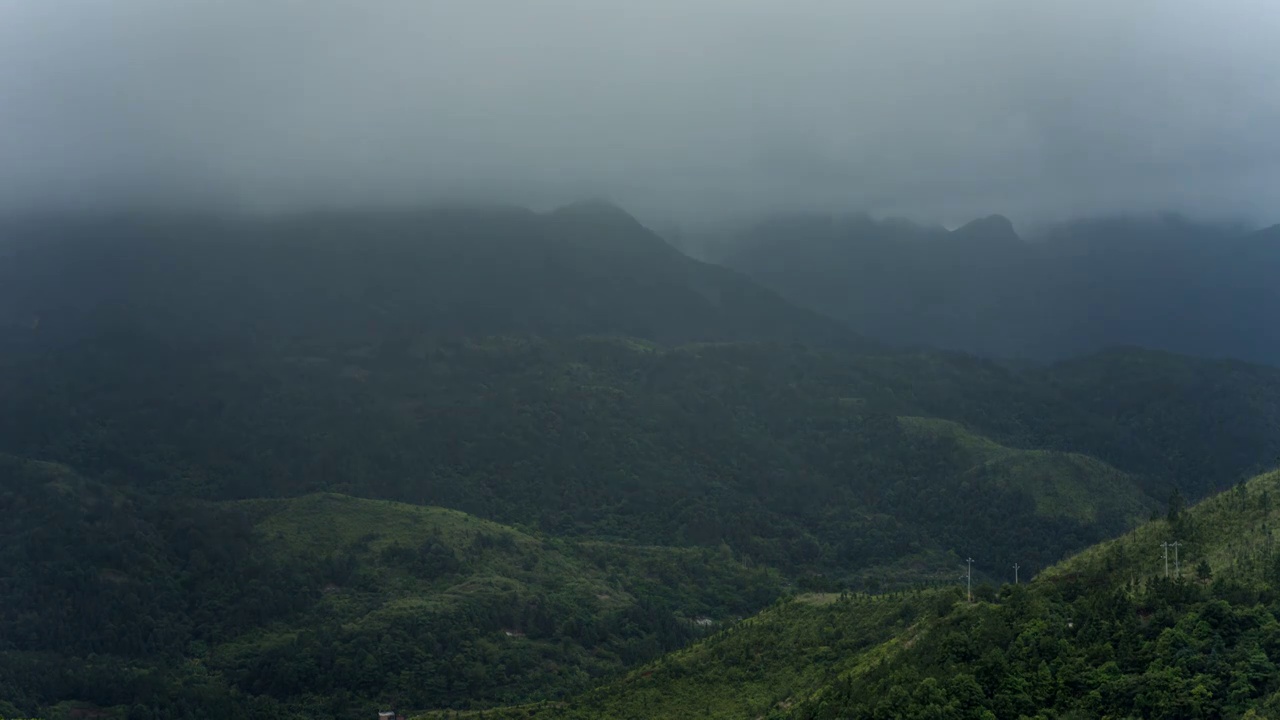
(223, 507)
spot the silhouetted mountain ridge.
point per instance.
(993, 229)
(1161, 281)
(588, 268)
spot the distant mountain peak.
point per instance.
(1268, 233)
(600, 225)
(596, 208)
(990, 229)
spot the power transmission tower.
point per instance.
(1015, 573)
(1177, 570)
(1165, 545)
(969, 578)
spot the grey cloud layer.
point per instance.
(936, 108)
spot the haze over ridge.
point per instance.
(938, 111)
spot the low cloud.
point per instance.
(684, 108)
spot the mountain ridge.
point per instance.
(1163, 281)
(587, 268)
(928, 652)
(465, 458)
(995, 229)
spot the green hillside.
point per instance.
(694, 482)
(1065, 485)
(760, 666)
(372, 276)
(482, 612)
(1232, 533)
(324, 604)
(792, 457)
(1103, 634)
(1188, 418)
(474, 458)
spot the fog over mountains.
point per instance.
(935, 110)
(326, 391)
(1156, 281)
(520, 453)
(1075, 287)
(377, 277)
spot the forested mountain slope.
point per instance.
(1078, 287)
(323, 604)
(794, 457)
(285, 468)
(756, 668)
(1108, 633)
(330, 277)
(823, 469)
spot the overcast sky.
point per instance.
(939, 109)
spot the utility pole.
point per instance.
(969, 578)
(1177, 570)
(1165, 545)
(1015, 573)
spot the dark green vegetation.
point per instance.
(296, 476)
(319, 604)
(373, 277)
(798, 458)
(826, 469)
(1105, 634)
(761, 665)
(1079, 287)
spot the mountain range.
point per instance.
(1162, 282)
(487, 459)
(363, 277)
(1111, 632)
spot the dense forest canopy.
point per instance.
(936, 376)
(478, 458)
(1109, 633)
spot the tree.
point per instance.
(1203, 572)
(1176, 505)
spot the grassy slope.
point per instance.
(498, 561)
(792, 653)
(325, 523)
(1128, 648)
(1069, 485)
(425, 586)
(1233, 531)
(755, 667)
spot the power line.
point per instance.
(969, 578)
(1015, 573)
